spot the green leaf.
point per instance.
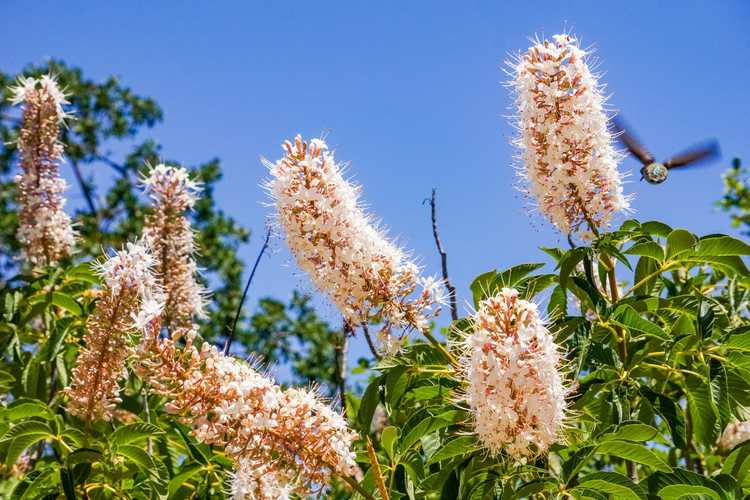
(367, 406)
(25, 428)
(737, 464)
(388, 440)
(66, 302)
(183, 477)
(647, 249)
(633, 452)
(677, 491)
(703, 410)
(396, 382)
(460, 446)
(656, 228)
(683, 478)
(428, 425)
(629, 318)
(142, 460)
(481, 287)
(194, 451)
(569, 262)
(6, 380)
(20, 444)
(513, 275)
(24, 408)
(84, 456)
(67, 484)
(672, 414)
(633, 432)
(132, 433)
(612, 483)
(645, 276)
(739, 342)
(679, 242)
(530, 287)
(722, 246)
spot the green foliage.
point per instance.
(661, 369)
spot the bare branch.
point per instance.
(370, 343)
(443, 258)
(85, 189)
(228, 343)
(341, 351)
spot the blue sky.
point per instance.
(410, 93)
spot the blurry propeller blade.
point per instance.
(698, 154)
(630, 142)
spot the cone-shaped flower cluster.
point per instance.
(341, 248)
(514, 388)
(260, 481)
(129, 301)
(569, 162)
(280, 440)
(44, 229)
(170, 237)
(735, 433)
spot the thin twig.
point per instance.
(85, 189)
(341, 350)
(370, 343)
(443, 258)
(228, 343)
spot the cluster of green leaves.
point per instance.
(657, 370)
(736, 199)
(47, 454)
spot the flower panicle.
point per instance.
(45, 230)
(735, 433)
(169, 233)
(510, 366)
(294, 437)
(568, 161)
(130, 301)
(342, 249)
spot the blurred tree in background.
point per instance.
(736, 199)
(109, 116)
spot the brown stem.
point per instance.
(341, 350)
(228, 343)
(370, 343)
(86, 190)
(443, 258)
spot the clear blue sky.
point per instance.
(411, 94)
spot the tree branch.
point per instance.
(85, 189)
(341, 350)
(228, 343)
(370, 343)
(443, 258)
